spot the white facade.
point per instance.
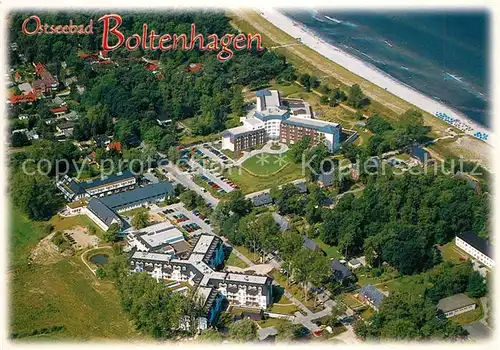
(110, 188)
(476, 254)
(98, 221)
(460, 311)
(226, 143)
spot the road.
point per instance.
(186, 181)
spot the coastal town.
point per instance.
(177, 198)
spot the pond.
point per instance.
(99, 259)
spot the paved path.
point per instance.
(185, 180)
(89, 250)
(265, 149)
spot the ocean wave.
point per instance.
(318, 19)
(404, 68)
(338, 21)
(465, 85)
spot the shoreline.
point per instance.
(377, 77)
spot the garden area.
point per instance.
(266, 164)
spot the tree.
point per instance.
(210, 336)
(477, 287)
(287, 332)
(140, 220)
(305, 81)
(237, 101)
(189, 199)
(112, 234)
(173, 154)
(243, 331)
(19, 139)
(237, 203)
(298, 149)
(356, 98)
(378, 125)
(323, 100)
(288, 200)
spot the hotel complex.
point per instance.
(197, 268)
(282, 119)
(477, 247)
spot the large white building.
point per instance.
(477, 247)
(285, 120)
(199, 270)
(73, 189)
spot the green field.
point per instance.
(64, 295)
(233, 260)
(249, 183)
(266, 164)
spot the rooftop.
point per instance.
(319, 125)
(104, 213)
(152, 256)
(376, 297)
(160, 234)
(477, 242)
(203, 244)
(454, 302)
(139, 195)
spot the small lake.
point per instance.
(99, 259)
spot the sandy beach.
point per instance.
(377, 77)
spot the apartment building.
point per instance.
(74, 189)
(477, 247)
(286, 120)
(199, 270)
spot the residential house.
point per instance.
(371, 296)
(115, 145)
(340, 273)
(101, 140)
(310, 244)
(354, 264)
(59, 111)
(46, 83)
(65, 128)
(456, 304)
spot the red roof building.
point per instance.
(46, 82)
(151, 67)
(28, 98)
(59, 110)
(116, 145)
(194, 67)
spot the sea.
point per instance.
(444, 55)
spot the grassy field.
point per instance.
(331, 251)
(255, 257)
(64, 294)
(272, 322)
(233, 260)
(450, 252)
(249, 183)
(470, 316)
(265, 164)
(297, 291)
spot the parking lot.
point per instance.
(191, 221)
(215, 154)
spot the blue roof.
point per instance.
(308, 243)
(262, 93)
(376, 297)
(100, 210)
(266, 117)
(339, 271)
(138, 196)
(106, 180)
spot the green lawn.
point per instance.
(233, 260)
(469, 316)
(450, 252)
(331, 251)
(255, 257)
(283, 309)
(297, 291)
(249, 183)
(65, 294)
(266, 164)
(272, 322)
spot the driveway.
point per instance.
(185, 180)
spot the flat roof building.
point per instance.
(476, 246)
(143, 195)
(456, 304)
